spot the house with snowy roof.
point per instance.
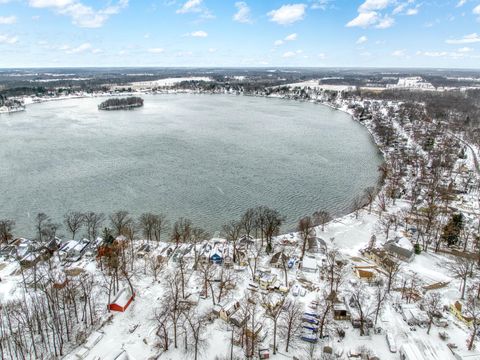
(278, 260)
(401, 248)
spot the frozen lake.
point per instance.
(205, 157)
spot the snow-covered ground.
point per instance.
(168, 82)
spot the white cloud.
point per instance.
(411, 12)
(79, 49)
(373, 13)
(465, 50)
(290, 54)
(322, 56)
(288, 14)
(291, 37)
(399, 53)
(183, 54)
(243, 13)
(7, 39)
(370, 5)
(467, 39)
(364, 19)
(82, 15)
(190, 6)
(476, 10)
(433, 53)
(156, 50)
(362, 40)
(461, 3)
(385, 23)
(399, 9)
(320, 4)
(7, 20)
(212, 50)
(444, 54)
(199, 33)
(196, 6)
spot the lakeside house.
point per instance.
(401, 248)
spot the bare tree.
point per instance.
(197, 335)
(273, 310)
(333, 269)
(197, 236)
(207, 271)
(40, 221)
(291, 322)
(306, 229)
(93, 222)
(119, 221)
(360, 300)
(147, 222)
(6, 228)
(472, 311)
(253, 255)
(324, 309)
(181, 231)
(432, 303)
(156, 265)
(272, 224)
(162, 318)
(73, 220)
(392, 267)
(226, 281)
(248, 221)
(322, 217)
(380, 295)
(161, 224)
(232, 232)
(357, 205)
(369, 193)
(461, 268)
(172, 301)
(386, 223)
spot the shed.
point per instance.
(122, 300)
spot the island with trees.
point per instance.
(121, 103)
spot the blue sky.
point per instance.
(264, 33)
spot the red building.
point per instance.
(121, 301)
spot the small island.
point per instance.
(121, 103)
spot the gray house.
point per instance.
(401, 248)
